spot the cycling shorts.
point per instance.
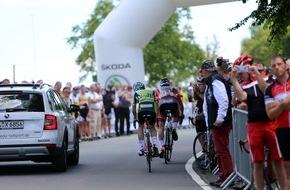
(151, 120)
(165, 105)
(261, 134)
(283, 137)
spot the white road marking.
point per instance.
(194, 175)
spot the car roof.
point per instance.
(25, 86)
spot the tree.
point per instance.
(274, 15)
(258, 46)
(83, 37)
(171, 53)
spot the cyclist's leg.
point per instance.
(141, 139)
(160, 131)
(174, 126)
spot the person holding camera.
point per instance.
(218, 116)
(260, 129)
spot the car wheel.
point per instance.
(59, 163)
(73, 159)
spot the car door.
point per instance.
(65, 118)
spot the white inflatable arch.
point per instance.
(119, 40)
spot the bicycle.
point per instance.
(168, 144)
(148, 152)
(208, 159)
(269, 178)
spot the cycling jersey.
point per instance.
(277, 92)
(145, 104)
(168, 98)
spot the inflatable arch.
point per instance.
(119, 40)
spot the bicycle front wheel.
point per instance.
(197, 147)
(168, 146)
(149, 152)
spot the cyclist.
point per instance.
(144, 103)
(168, 98)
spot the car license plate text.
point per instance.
(11, 124)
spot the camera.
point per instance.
(220, 60)
(242, 68)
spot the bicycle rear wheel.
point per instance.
(199, 159)
(148, 152)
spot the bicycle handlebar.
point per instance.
(243, 147)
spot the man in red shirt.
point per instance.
(277, 100)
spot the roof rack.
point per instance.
(33, 85)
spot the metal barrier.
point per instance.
(242, 160)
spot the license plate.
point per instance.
(11, 124)
(146, 106)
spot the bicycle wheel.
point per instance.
(211, 156)
(148, 151)
(201, 159)
(167, 152)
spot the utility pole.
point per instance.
(14, 74)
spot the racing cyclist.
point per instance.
(168, 98)
(144, 103)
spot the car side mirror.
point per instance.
(73, 108)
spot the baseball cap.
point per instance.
(208, 65)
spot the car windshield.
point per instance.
(21, 101)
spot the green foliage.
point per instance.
(274, 15)
(83, 37)
(172, 53)
(261, 49)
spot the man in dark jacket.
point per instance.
(218, 115)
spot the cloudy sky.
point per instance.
(33, 35)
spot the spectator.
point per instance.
(217, 111)
(277, 100)
(66, 96)
(57, 87)
(125, 97)
(116, 102)
(83, 118)
(40, 81)
(259, 136)
(6, 81)
(187, 106)
(108, 100)
(200, 124)
(95, 112)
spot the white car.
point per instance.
(36, 125)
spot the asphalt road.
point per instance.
(110, 164)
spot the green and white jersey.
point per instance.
(145, 100)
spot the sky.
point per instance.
(33, 36)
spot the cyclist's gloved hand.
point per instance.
(181, 119)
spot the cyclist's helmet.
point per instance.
(244, 59)
(138, 86)
(164, 82)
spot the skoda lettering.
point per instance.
(116, 66)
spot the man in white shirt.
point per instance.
(218, 117)
(96, 104)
